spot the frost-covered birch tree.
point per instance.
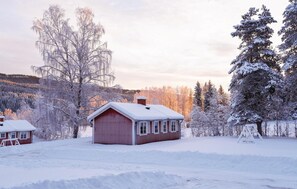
(288, 48)
(76, 63)
(256, 71)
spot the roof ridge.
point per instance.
(138, 111)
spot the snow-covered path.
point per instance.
(188, 163)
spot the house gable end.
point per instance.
(112, 112)
(111, 127)
(114, 109)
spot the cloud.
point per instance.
(222, 48)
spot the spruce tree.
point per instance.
(208, 96)
(197, 95)
(213, 120)
(199, 120)
(256, 72)
(288, 49)
(222, 97)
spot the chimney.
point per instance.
(2, 120)
(141, 100)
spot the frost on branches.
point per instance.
(289, 52)
(76, 63)
(256, 79)
(211, 118)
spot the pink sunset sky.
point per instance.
(154, 42)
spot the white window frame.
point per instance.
(162, 127)
(3, 136)
(154, 127)
(26, 133)
(143, 124)
(175, 126)
(9, 136)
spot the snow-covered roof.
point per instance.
(139, 112)
(16, 125)
(141, 98)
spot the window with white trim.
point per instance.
(164, 126)
(24, 135)
(143, 128)
(2, 135)
(173, 126)
(156, 127)
(12, 135)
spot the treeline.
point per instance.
(210, 111)
(19, 78)
(179, 99)
(183, 99)
(17, 90)
(13, 95)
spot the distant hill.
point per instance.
(16, 89)
(18, 78)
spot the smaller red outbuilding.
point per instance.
(130, 123)
(15, 132)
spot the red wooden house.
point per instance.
(130, 123)
(15, 132)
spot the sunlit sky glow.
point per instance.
(154, 42)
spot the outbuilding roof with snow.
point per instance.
(139, 112)
(16, 125)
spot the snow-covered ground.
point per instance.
(210, 162)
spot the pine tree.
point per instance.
(256, 72)
(204, 90)
(223, 111)
(211, 110)
(209, 96)
(222, 97)
(198, 95)
(199, 122)
(289, 50)
(213, 120)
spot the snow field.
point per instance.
(210, 162)
(131, 180)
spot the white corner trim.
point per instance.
(133, 133)
(93, 129)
